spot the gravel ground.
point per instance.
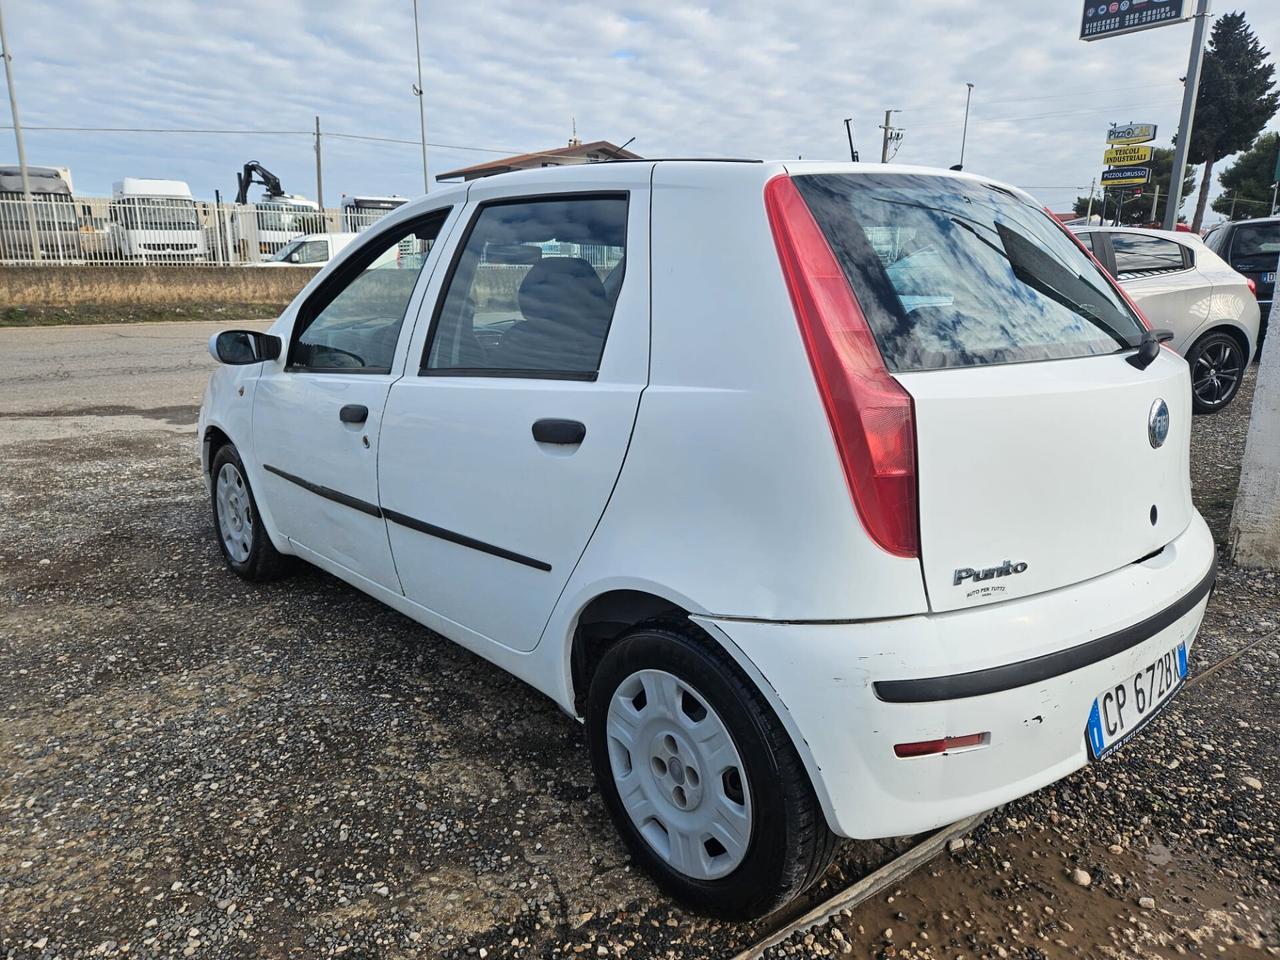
(194, 766)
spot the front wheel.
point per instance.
(700, 777)
(1217, 363)
(245, 545)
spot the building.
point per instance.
(575, 152)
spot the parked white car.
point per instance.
(836, 500)
(309, 250)
(1183, 286)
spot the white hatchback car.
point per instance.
(837, 500)
(1183, 286)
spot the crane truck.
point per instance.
(275, 219)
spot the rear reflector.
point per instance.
(871, 415)
(925, 748)
(1253, 286)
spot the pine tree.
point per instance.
(1237, 97)
(1247, 182)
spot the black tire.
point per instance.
(263, 561)
(790, 843)
(1217, 362)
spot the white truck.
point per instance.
(156, 220)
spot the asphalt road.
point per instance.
(193, 766)
(105, 368)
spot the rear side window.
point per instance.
(1139, 254)
(953, 272)
(533, 289)
(1256, 246)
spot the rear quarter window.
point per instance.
(952, 272)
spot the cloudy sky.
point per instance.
(683, 79)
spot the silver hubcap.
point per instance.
(235, 517)
(679, 774)
(1216, 373)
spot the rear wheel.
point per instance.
(1217, 364)
(245, 545)
(699, 776)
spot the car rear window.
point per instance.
(952, 272)
(1257, 245)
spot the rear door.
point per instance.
(501, 445)
(1041, 459)
(1160, 275)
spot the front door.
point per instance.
(316, 420)
(499, 453)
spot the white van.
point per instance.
(837, 500)
(155, 220)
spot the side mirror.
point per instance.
(237, 347)
(295, 257)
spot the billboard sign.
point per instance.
(1131, 132)
(1110, 19)
(1126, 156)
(1125, 176)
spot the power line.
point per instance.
(285, 133)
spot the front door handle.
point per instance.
(568, 432)
(354, 413)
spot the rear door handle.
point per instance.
(354, 413)
(568, 432)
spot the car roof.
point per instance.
(549, 176)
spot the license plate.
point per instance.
(1122, 710)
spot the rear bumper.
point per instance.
(1026, 671)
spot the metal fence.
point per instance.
(65, 229)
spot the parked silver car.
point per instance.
(1183, 286)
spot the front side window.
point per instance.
(954, 272)
(1087, 240)
(533, 290)
(1137, 253)
(352, 322)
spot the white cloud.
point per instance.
(746, 79)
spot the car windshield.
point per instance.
(291, 247)
(955, 272)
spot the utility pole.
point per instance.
(888, 133)
(1190, 90)
(848, 129)
(319, 177)
(1155, 200)
(417, 92)
(964, 134)
(1088, 211)
(17, 135)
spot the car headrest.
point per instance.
(565, 290)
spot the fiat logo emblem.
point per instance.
(1158, 424)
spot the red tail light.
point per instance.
(1253, 287)
(871, 415)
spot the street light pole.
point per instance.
(417, 90)
(1190, 90)
(17, 135)
(964, 134)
